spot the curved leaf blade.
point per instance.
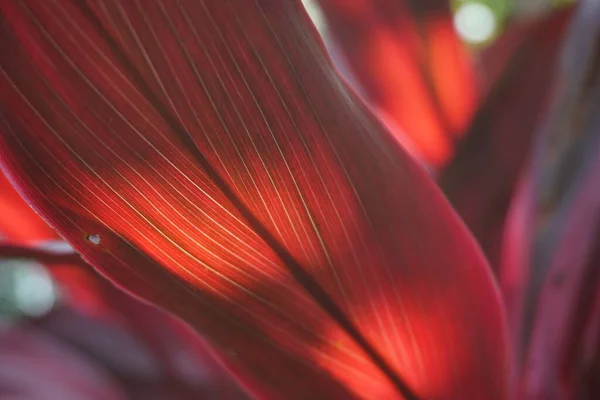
(203, 167)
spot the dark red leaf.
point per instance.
(552, 268)
(211, 161)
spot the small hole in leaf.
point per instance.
(93, 238)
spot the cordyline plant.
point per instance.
(205, 157)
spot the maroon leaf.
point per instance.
(551, 274)
(66, 355)
(111, 325)
(54, 372)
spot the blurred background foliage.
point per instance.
(478, 22)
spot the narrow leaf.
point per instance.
(481, 179)
(552, 288)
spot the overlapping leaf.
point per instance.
(133, 346)
(409, 63)
(211, 161)
(552, 266)
(53, 371)
(481, 179)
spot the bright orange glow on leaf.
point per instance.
(84, 292)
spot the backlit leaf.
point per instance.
(211, 160)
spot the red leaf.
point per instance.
(211, 161)
(481, 178)
(104, 309)
(410, 63)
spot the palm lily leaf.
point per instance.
(212, 161)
